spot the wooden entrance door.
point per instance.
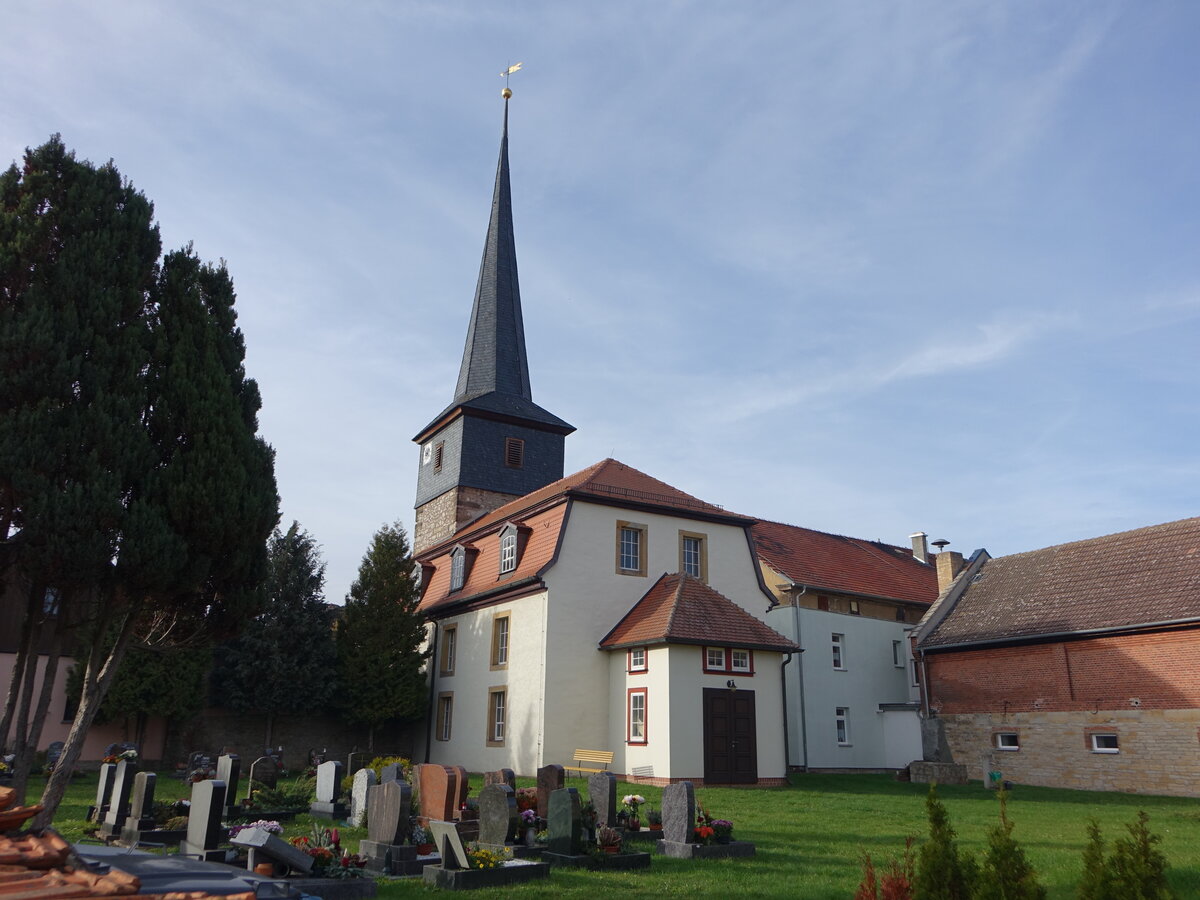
(730, 737)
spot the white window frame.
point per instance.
(458, 569)
(1007, 741)
(838, 649)
(692, 550)
(631, 548)
(898, 654)
(508, 552)
(841, 725)
(735, 665)
(449, 649)
(1097, 737)
(709, 657)
(637, 659)
(445, 716)
(497, 715)
(855, 609)
(637, 716)
(501, 635)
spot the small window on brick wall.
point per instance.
(1007, 740)
(514, 452)
(1105, 742)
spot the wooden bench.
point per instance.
(604, 757)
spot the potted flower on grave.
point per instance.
(529, 825)
(631, 803)
(654, 818)
(609, 839)
(526, 799)
(420, 840)
(479, 858)
(722, 830)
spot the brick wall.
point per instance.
(442, 516)
(1145, 689)
(1159, 671)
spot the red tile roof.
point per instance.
(1127, 580)
(608, 481)
(835, 563)
(680, 609)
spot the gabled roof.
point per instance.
(1126, 581)
(494, 376)
(680, 609)
(835, 563)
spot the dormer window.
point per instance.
(458, 568)
(508, 550)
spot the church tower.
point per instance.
(492, 444)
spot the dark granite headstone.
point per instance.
(389, 806)
(229, 770)
(549, 778)
(204, 821)
(364, 780)
(501, 776)
(602, 791)
(329, 791)
(108, 773)
(357, 760)
(264, 772)
(565, 824)
(118, 801)
(141, 808)
(498, 816)
(679, 812)
(266, 847)
(391, 772)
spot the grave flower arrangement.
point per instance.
(526, 798)
(478, 858)
(324, 845)
(722, 830)
(609, 839)
(420, 840)
(632, 802)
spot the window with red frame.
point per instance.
(728, 660)
(637, 716)
(637, 659)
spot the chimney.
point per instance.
(949, 564)
(920, 548)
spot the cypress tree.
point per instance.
(381, 635)
(943, 872)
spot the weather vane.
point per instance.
(506, 93)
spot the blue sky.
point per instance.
(864, 267)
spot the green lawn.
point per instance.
(811, 835)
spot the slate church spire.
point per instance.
(492, 443)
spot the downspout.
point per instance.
(432, 712)
(796, 595)
(787, 751)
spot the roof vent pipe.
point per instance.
(920, 548)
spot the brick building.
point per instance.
(1075, 665)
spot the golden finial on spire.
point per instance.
(506, 93)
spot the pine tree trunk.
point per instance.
(25, 649)
(24, 763)
(96, 680)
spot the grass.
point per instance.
(810, 836)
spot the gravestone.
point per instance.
(266, 847)
(461, 788)
(453, 874)
(204, 831)
(118, 801)
(141, 808)
(549, 778)
(501, 776)
(329, 791)
(229, 770)
(357, 760)
(391, 772)
(264, 772)
(565, 823)
(679, 812)
(602, 791)
(54, 753)
(498, 816)
(389, 808)
(364, 779)
(437, 790)
(450, 845)
(104, 788)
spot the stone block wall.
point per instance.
(1159, 749)
(442, 516)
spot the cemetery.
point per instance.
(391, 828)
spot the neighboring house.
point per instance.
(1074, 665)
(13, 606)
(850, 604)
(557, 625)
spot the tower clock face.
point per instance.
(427, 453)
